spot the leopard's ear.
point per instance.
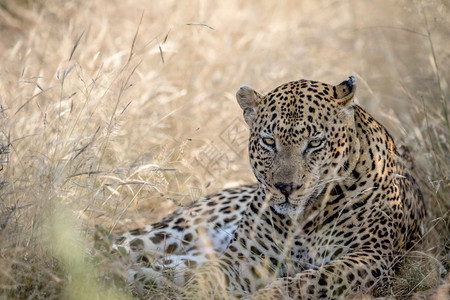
(248, 99)
(343, 93)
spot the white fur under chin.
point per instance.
(287, 209)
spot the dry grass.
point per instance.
(107, 108)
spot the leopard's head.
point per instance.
(302, 138)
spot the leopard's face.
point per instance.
(302, 138)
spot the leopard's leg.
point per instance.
(175, 257)
(356, 273)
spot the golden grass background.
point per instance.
(110, 108)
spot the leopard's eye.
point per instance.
(315, 143)
(269, 142)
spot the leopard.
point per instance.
(332, 213)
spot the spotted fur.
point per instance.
(334, 209)
(186, 238)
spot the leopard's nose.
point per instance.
(287, 188)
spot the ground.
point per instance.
(114, 113)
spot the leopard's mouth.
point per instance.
(294, 204)
(294, 207)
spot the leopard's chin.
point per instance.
(286, 208)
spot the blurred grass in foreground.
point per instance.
(67, 245)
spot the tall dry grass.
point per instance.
(108, 107)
